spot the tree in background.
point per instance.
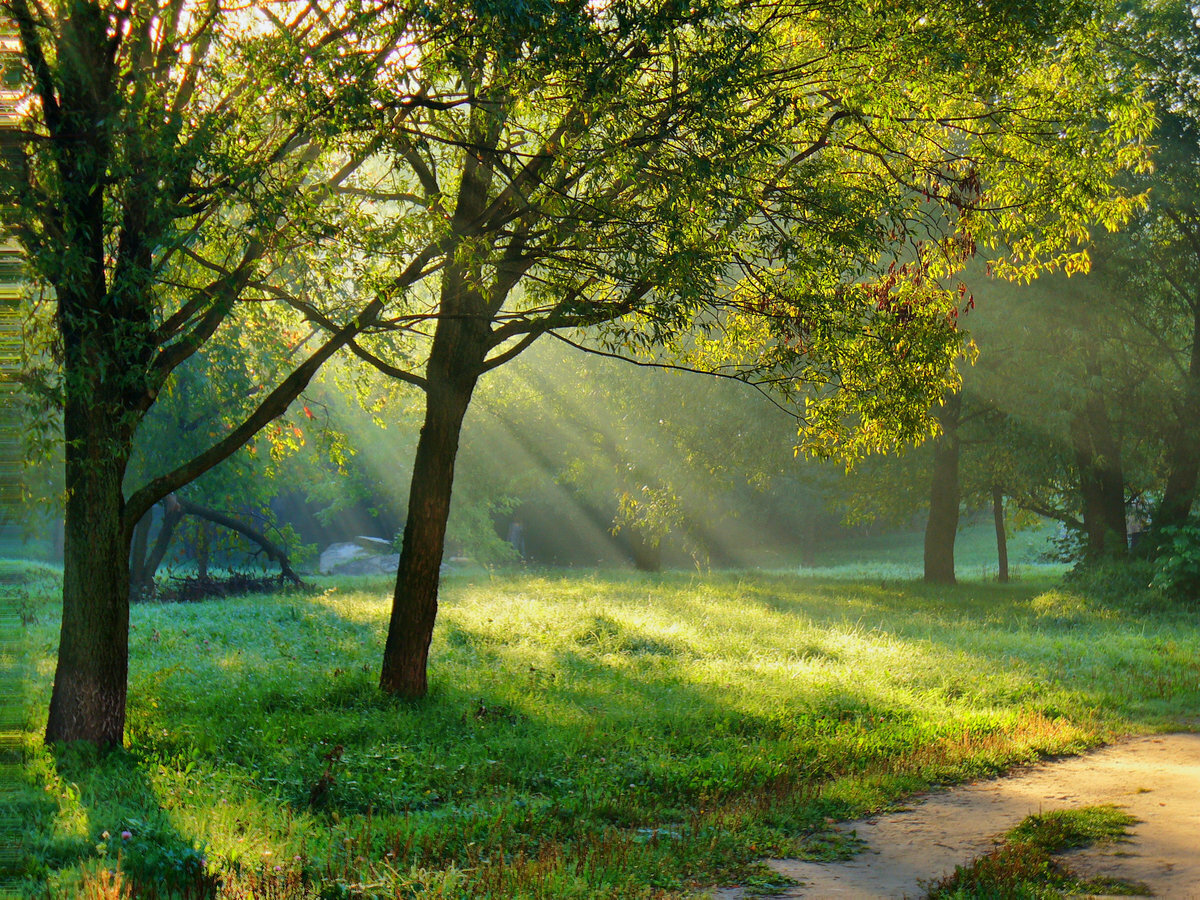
(1155, 269)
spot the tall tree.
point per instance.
(622, 175)
(161, 180)
(1157, 268)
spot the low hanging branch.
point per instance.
(174, 509)
(273, 551)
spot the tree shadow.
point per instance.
(610, 725)
(112, 818)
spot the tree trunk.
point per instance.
(1183, 445)
(172, 515)
(1101, 479)
(415, 602)
(941, 529)
(1001, 534)
(202, 546)
(137, 556)
(88, 700)
(460, 345)
(646, 552)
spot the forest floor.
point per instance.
(1154, 778)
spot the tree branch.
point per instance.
(273, 551)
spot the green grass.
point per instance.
(899, 554)
(585, 736)
(1023, 866)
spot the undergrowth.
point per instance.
(1024, 867)
(604, 735)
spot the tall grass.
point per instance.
(603, 735)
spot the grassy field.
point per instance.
(603, 735)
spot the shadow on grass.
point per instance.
(610, 722)
(114, 820)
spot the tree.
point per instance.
(794, 183)
(945, 494)
(1157, 268)
(161, 182)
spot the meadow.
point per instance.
(603, 734)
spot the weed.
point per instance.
(1023, 865)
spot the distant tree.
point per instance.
(945, 492)
(648, 457)
(625, 174)
(1156, 268)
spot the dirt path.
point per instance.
(1156, 778)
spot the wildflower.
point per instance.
(104, 834)
(126, 835)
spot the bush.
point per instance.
(1177, 561)
(1126, 582)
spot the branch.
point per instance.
(36, 57)
(274, 405)
(273, 551)
(1048, 512)
(646, 364)
(224, 292)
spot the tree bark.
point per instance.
(1001, 534)
(88, 699)
(460, 344)
(415, 601)
(941, 528)
(1183, 445)
(1101, 478)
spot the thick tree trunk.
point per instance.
(415, 602)
(1101, 479)
(88, 700)
(460, 345)
(1001, 534)
(941, 529)
(1183, 445)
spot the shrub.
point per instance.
(1177, 561)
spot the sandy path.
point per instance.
(1157, 779)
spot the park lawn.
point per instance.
(586, 735)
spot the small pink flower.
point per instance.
(126, 835)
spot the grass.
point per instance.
(898, 554)
(597, 735)
(1023, 866)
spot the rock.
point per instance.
(369, 565)
(373, 544)
(337, 555)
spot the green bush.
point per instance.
(1177, 561)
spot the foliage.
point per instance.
(1023, 866)
(1123, 583)
(599, 736)
(777, 193)
(1177, 561)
